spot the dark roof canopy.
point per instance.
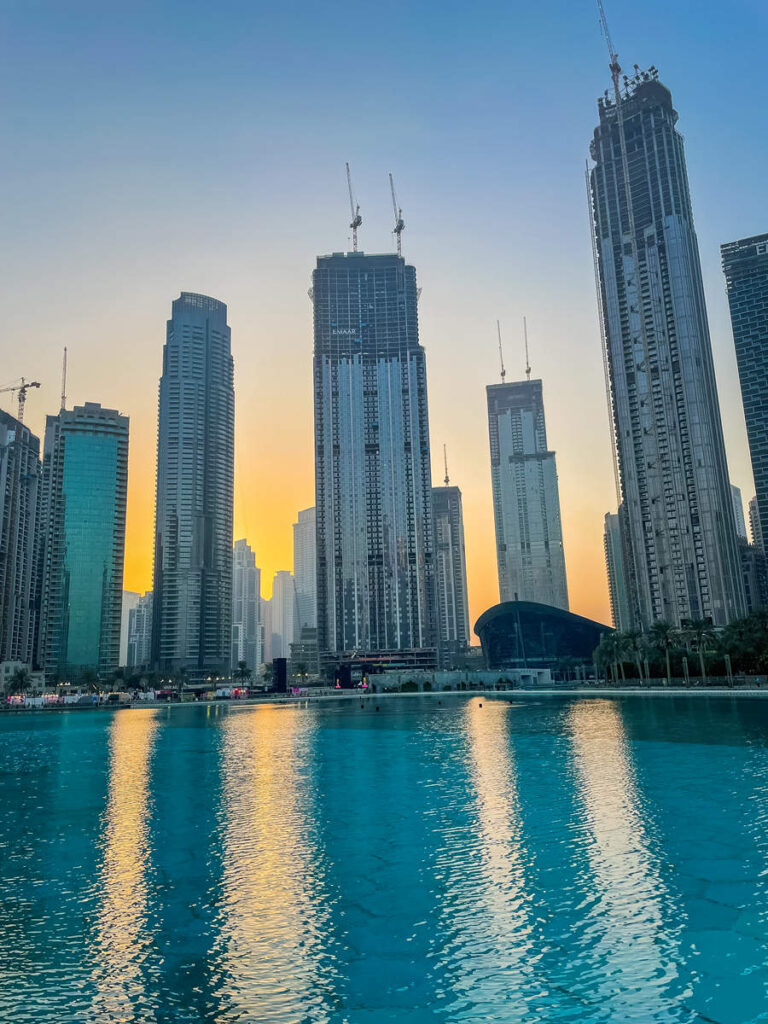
(527, 634)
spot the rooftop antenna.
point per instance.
(354, 207)
(501, 354)
(399, 222)
(527, 360)
(614, 66)
(445, 457)
(64, 380)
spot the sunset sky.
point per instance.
(156, 146)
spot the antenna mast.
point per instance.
(445, 457)
(501, 354)
(64, 380)
(354, 208)
(399, 222)
(527, 360)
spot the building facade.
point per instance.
(621, 613)
(681, 537)
(195, 478)
(305, 569)
(139, 653)
(375, 566)
(84, 489)
(745, 264)
(755, 528)
(130, 600)
(738, 512)
(283, 614)
(19, 538)
(453, 636)
(247, 630)
(526, 498)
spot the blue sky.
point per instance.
(154, 147)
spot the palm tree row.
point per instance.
(742, 646)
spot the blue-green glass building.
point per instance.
(85, 475)
(745, 264)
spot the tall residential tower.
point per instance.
(305, 570)
(745, 264)
(526, 498)
(680, 533)
(375, 570)
(453, 636)
(192, 626)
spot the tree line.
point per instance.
(666, 651)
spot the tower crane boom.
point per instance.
(354, 209)
(399, 222)
(21, 386)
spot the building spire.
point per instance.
(501, 353)
(527, 360)
(445, 458)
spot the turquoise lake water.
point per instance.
(529, 859)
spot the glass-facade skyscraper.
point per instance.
(745, 264)
(19, 525)
(85, 478)
(526, 498)
(621, 614)
(247, 632)
(681, 539)
(305, 569)
(375, 570)
(192, 626)
(453, 636)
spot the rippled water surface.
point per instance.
(440, 859)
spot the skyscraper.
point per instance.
(681, 539)
(453, 636)
(621, 614)
(130, 601)
(754, 525)
(526, 499)
(192, 626)
(85, 477)
(247, 636)
(19, 526)
(738, 512)
(283, 614)
(139, 653)
(375, 571)
(745, 264)
(305, 569)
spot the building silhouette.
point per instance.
(453, 636)
(247, 630)
(84, 487)
(526, 499)
(283, 614)
(19, 537)
(192, 628)
(680, 534)
(305, 569)
(745, 264)
(375, 567)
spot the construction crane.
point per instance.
(614, 66)
(445, 457)
(399, 222)
(64, 380)
(22, 386)
(501, 353)
(354, 208)
(527, 360)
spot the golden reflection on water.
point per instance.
(489, 915)
(120, 937)
(273, 925)
(629, 930)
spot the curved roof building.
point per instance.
(526, 634)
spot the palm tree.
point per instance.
(89, 680)
(699, 633)
(663, 637)
(607, 654)
(242, 673)
(182, 676)
(632, 641)
(19, 680)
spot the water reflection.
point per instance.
(488, 905)
(629, 941)
(273, 957)
(121, 939)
